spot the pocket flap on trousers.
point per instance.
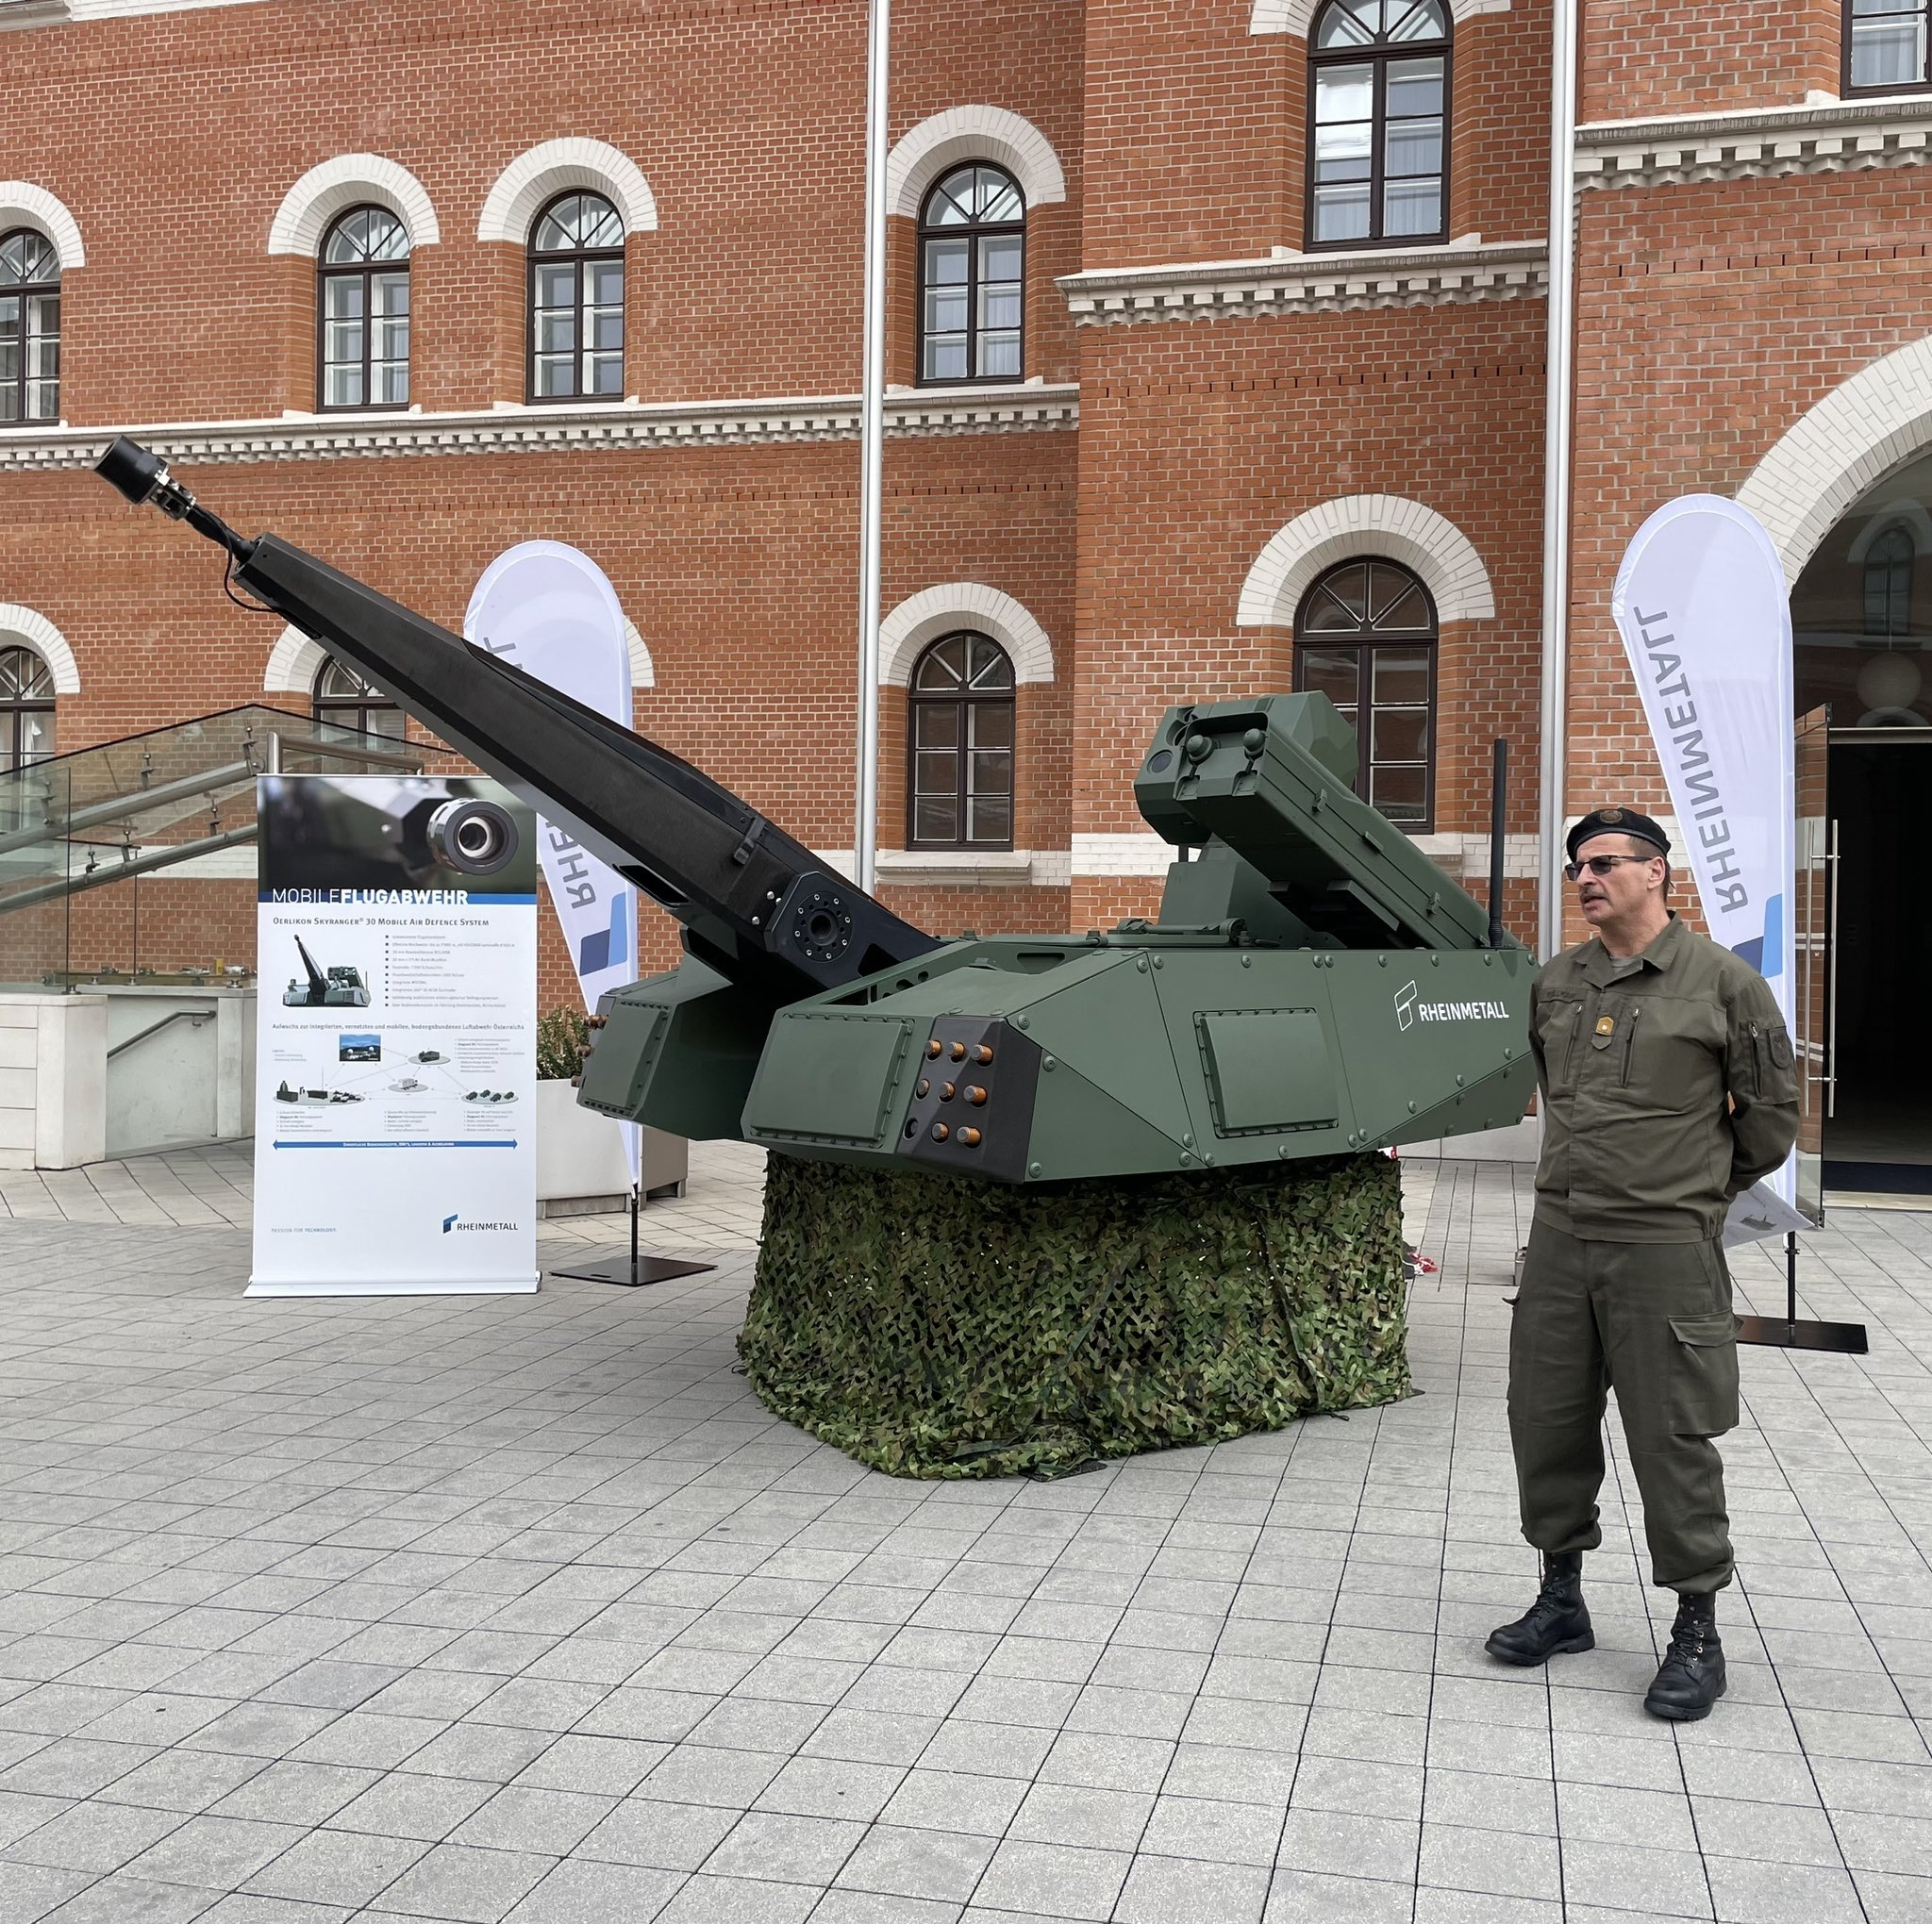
(1703, 1332)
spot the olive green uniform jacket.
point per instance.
(1668, 1088)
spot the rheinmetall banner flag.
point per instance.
(553, 612)
(1701, 604)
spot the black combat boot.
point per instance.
(1556, 1624)
(1691, 1676)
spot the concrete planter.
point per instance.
(581, 1169)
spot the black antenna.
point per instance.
(1499, 790)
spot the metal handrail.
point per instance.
(156, 1028)
(119, 871)
(136, 802)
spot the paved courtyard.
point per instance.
(474, 1609)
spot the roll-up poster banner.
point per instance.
(552, 611)
(1701, 603)
(396, 1071)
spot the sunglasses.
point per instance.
(1601, 865)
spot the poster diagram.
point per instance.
(397, 1069)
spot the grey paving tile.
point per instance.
(219, 1853)
(1052, 1880)
(1757, 1891)
(575, 1892)
(345, 1867)
(461, 1883)
(706, 1899)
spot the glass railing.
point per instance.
(111, 859)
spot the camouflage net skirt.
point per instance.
(937, 1328)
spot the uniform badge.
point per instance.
(1606, 1025)
(1609, 815)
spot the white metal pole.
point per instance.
(1558, 403)
(872, 437)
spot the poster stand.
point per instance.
(634, 1271)
(1788, 1332)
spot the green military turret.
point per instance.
(1312, 985)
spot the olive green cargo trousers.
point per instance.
(1654, 1321)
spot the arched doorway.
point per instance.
(1861, 620)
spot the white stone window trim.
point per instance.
(26, 627)
(1298, 16)
(1452, 273)
(920, 619)
(25, 205)
(538, 176)
(334, 186)
(1145, 855)
(1389, 526)
(960, 133)
(296, 659)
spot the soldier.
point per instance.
(1668, 1088)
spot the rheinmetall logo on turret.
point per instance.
(1409, 1010)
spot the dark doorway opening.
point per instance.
(1879, 1133)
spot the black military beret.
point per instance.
(1617, 821)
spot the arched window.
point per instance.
(344, 701)
(29, 327)
(1888, 584)
(1366, 638)
(1885, 45)
(1378, 103)
(961, 741)
(26, 708)
(972, 278)
(576, 300)
(363, 302)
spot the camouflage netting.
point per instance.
(937, 1328)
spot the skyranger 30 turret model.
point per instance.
(1313, 985)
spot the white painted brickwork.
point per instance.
(349, 180)
(934, 611)
(1387, 524)
(971, 133)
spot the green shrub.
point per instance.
(562, 1037)
(938, 1328)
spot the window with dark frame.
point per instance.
(26, 708)
(344, 703)
(1366, 638)
(362, 299)
(1378, 118)
(29, 327)
(1889, 583)
(959, 746)
(576, 300)
(972, 278)
(1885, 45)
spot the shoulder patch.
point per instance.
(1781, 1047)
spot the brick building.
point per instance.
(1217, 350)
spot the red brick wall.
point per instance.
(1671, 56)
(750, 284)
(1710, 318)
(1200, 440)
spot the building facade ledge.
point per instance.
(1459, 271)
(1821, 136)
(551, 430)
(975, 868)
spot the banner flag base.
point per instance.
(633, 1272)
(1787, 1332)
